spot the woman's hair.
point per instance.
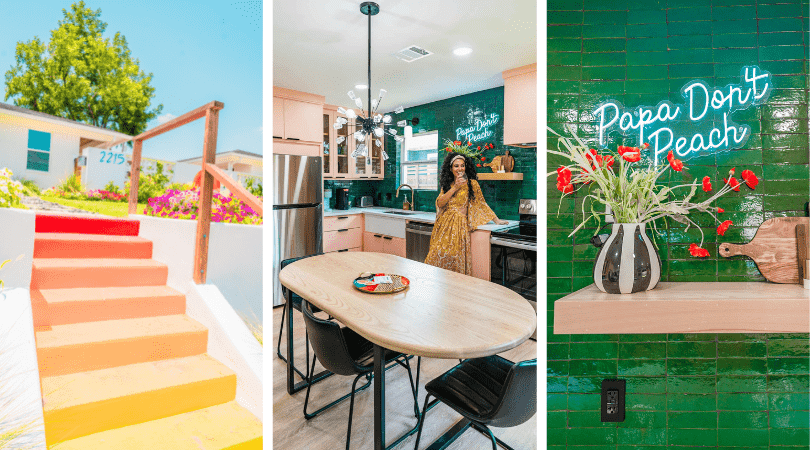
(447, 178)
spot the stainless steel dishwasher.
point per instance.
(417, 240)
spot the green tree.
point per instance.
(82, 76)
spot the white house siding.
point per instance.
(64, 147)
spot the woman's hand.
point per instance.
(459, 183)
(500, 221)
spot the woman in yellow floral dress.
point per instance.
(460, 209)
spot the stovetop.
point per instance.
(525, 230)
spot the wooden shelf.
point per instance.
(684, 307)
(512, 176)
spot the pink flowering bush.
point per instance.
(98, 194)
(176, 204)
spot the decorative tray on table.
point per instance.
(380, 283)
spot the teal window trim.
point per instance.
(39, 147)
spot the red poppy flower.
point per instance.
(483, 158)
(629, 154)
(645, 146)
(721, 230)
(468, 143)
(698, 252)
(735, 185)
(565, 188)
(707, 184)
(563, 175)
(731, 172)
(750, 178)
(456, 142)
(478, 165)
(608, 161)
(721, 210)
(675, 163)
(478, 148)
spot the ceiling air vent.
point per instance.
(411, 53)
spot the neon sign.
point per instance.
(701, 124)
(479, 127)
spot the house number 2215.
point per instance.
(112, 158)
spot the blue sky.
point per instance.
(197, 52)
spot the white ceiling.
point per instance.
(321, 47)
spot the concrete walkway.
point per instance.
(38, 204)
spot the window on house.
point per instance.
(39, 150)
(419, 154)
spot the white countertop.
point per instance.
(420, 216)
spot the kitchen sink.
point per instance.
(402, 213)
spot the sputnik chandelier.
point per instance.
(369, 125)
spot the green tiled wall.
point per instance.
(445, 116)
(722, 391)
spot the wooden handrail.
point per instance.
(237, 189)
(209, 172)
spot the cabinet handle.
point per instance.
(293, 139)
(377, 235)
(386, 237)
(277, 137)
(344, 250)
(345, 229)
(342, 217)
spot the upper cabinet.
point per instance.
(297, 122)
(338, 162)
(520, 106)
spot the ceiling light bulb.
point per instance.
(337, 125)
(461, 51)
(351, 95)
(402, 123)
(377, 118)
(358, 102)
(378, 132)
(393, 132)
(384, 156)
(350, 114)
(387, 118)
(342, 119)
(399, 110)
(399, 138)
(382, 93)
(340, 139)
(360, 86)
(360, 135)
(361, 149)
(373, 103)
(378, 143)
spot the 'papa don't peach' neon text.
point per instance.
(701, 124)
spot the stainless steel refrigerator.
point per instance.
(297, 211)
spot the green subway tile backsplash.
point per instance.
(445, 116)
(720, 391)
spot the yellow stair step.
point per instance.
(80, 347)
(220, 427)
(84, 403)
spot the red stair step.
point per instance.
(54, 223)
(72, 245)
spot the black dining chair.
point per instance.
(296, 304)
(490, 391)
(344, 352)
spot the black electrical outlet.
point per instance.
(613, 400)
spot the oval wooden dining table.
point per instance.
(442, 314)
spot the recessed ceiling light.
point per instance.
(360, 86)
(461, 51)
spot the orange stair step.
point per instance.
(58, 223)
(79, 347)
(225, 426)
(76, 305)
(71, 245)
(60, 273)
(85, 403)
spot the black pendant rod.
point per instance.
(369, 67)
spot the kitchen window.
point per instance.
(39, 151)
(418, 155)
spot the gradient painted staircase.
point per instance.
(121, 365)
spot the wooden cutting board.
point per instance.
(774, 249)
(803, 238)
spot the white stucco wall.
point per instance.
(17, 244)
(104, 166)
(234, 258)
(20, 394)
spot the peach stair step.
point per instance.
(60, 223)
(72, 245)
(76, 305)
(59, 273)
(226, 426)
(85, 403)
(86, 346)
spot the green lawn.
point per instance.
(115, 209)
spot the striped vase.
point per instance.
(627, 262)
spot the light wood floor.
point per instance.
(328, 430)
